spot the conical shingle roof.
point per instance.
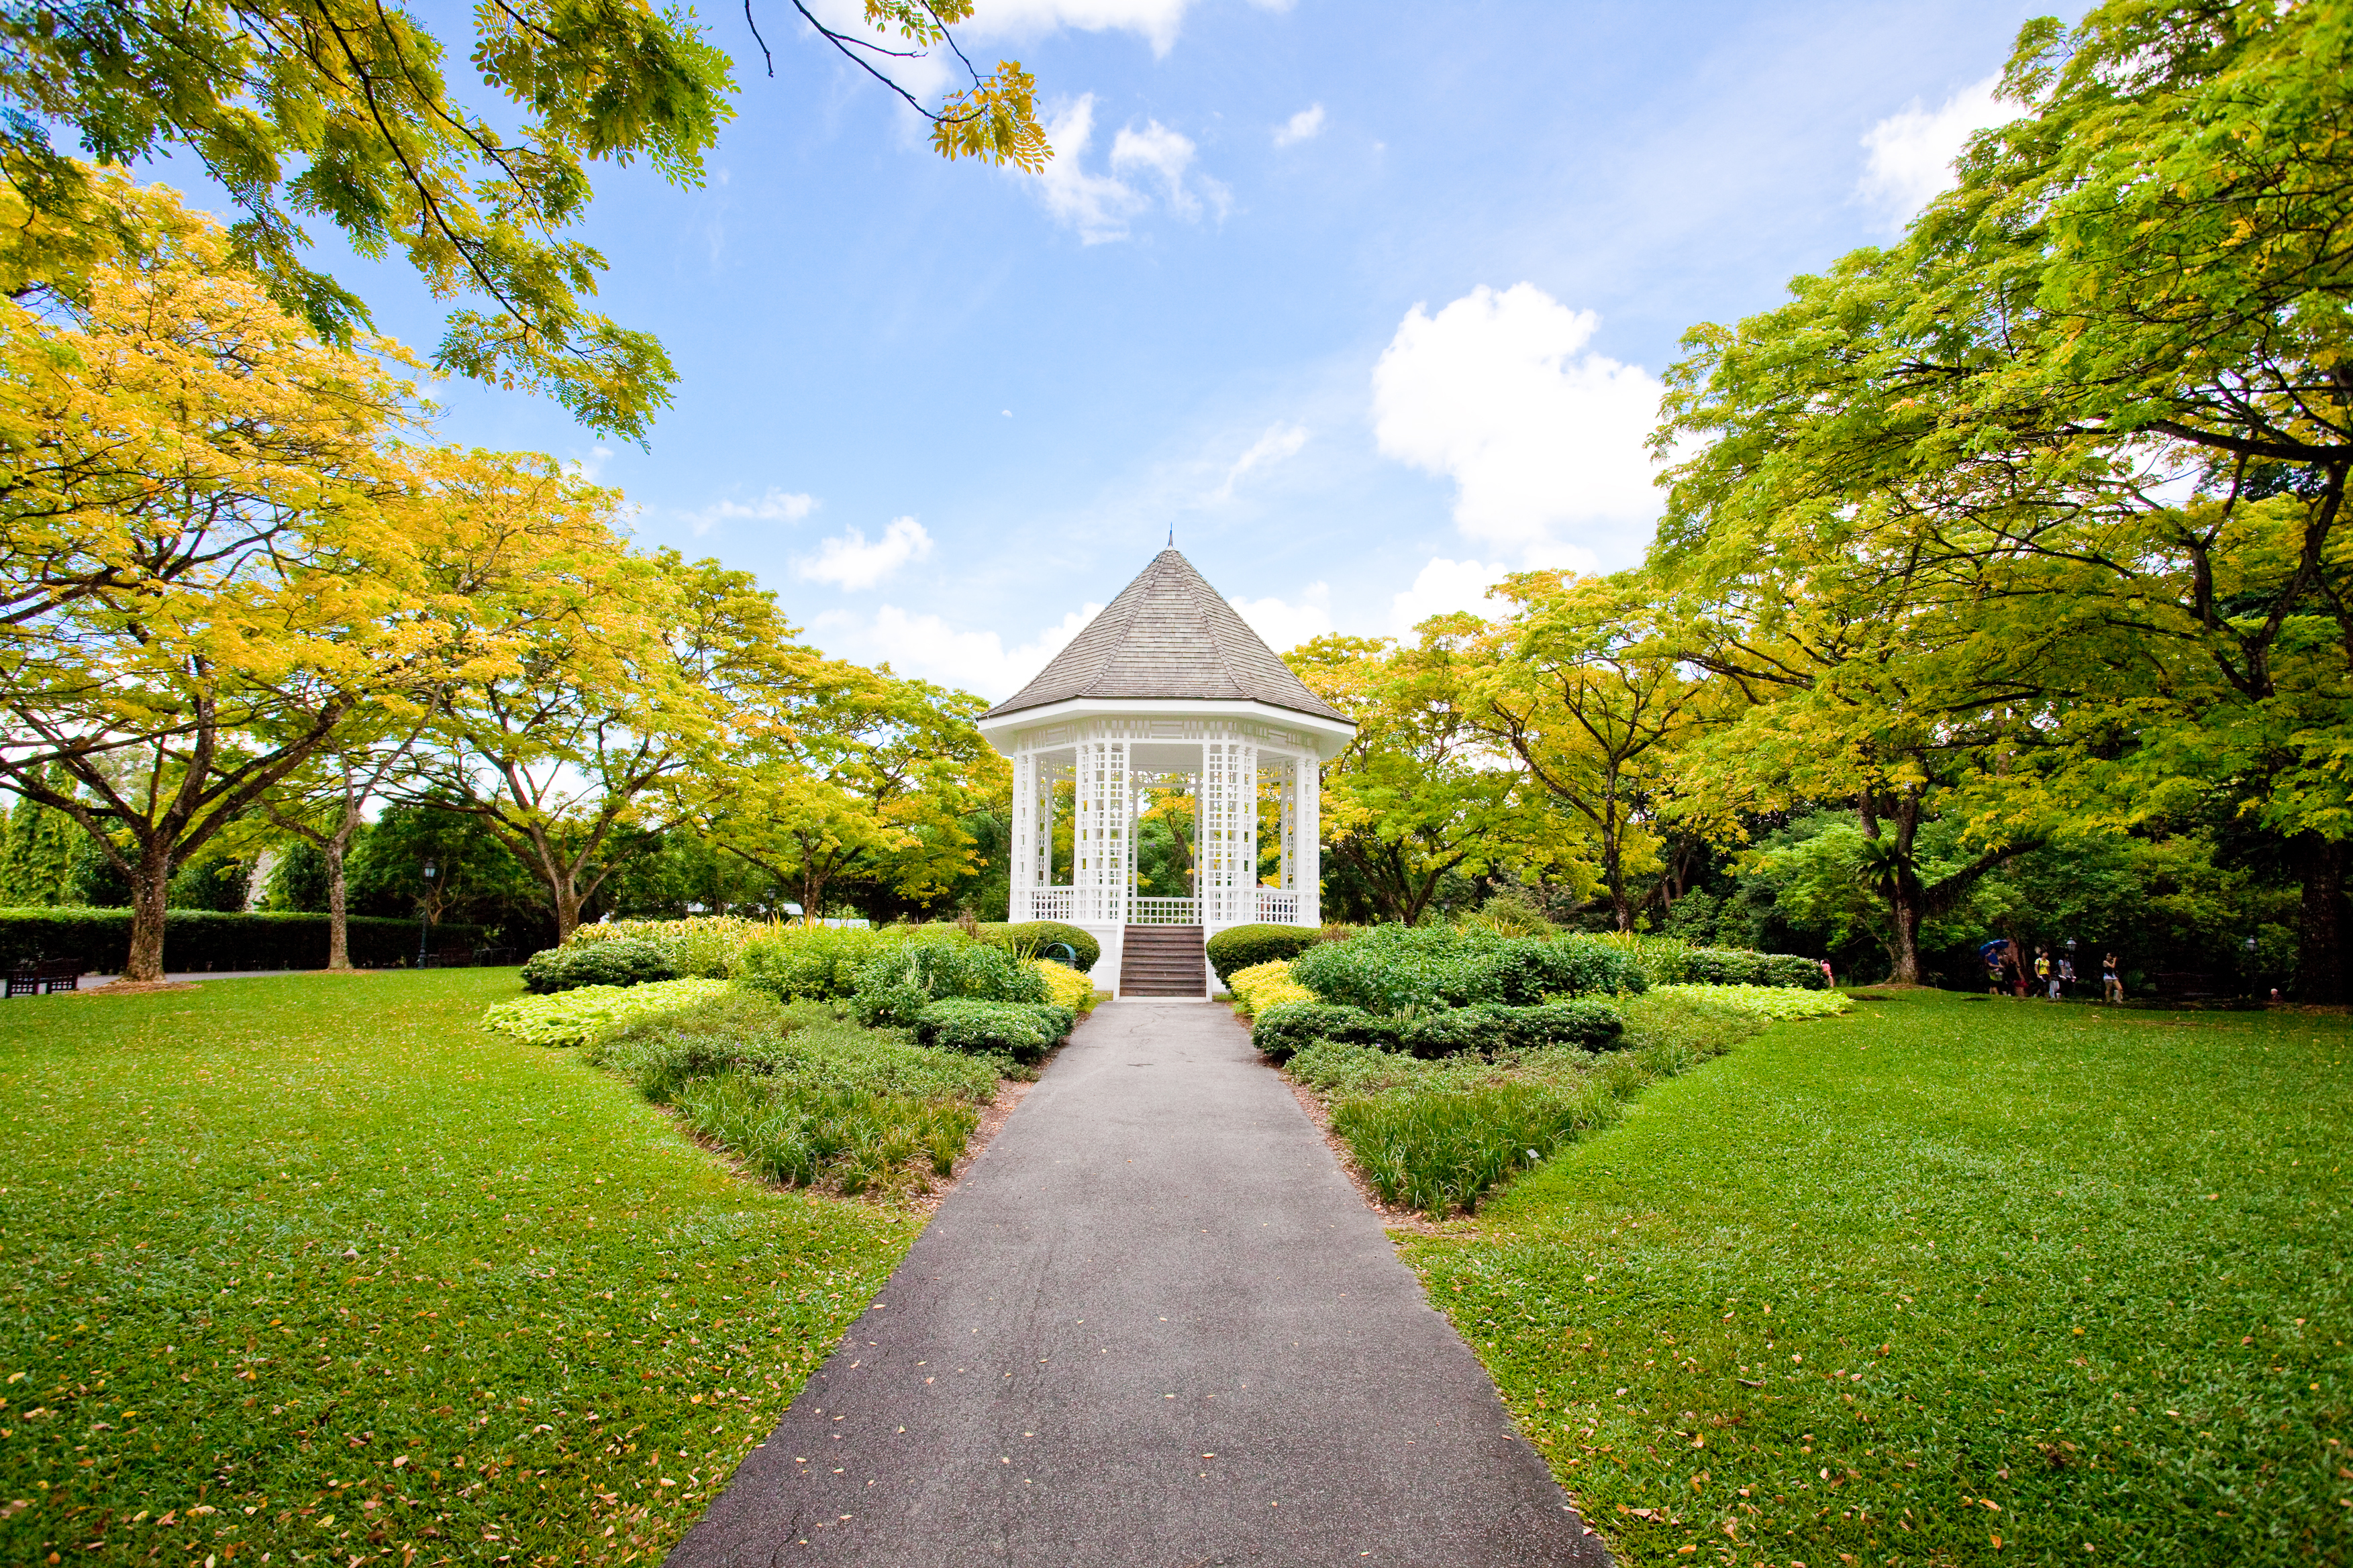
(1168, 634)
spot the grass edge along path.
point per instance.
(311, 1269)
(1944, 1283)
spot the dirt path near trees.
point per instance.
(1153, 1326)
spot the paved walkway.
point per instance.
(1153, 1328)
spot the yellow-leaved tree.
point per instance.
(205, 565)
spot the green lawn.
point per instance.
(1945, 1281)
(311, 1269)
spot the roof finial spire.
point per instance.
(1172, 536)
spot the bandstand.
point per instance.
(1166, 688)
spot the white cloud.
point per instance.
(849, 561)
(1283, 625)
(1307, 123)
(1911, 151)
(1444, 585)
(590, 466)
(1100, 206)
(1097, 206)
(1537, 437)
(1279, 442)
(927, 645)
(1157, 20)
(1165, 153)
(777, 505)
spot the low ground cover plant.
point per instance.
(893, 990)
(1773, 1002)
(819, 962)
(577, 1016)
(1439, 1132)
(622, 961)
(1066, 987)
(1385, 969)
(1022, 1031)
(802, 1095)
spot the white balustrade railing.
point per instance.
(1277, 906)
(1052, 903)
(1162, 913)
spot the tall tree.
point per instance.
(2102, 384)
(1580, 686)
(199, 578)
(870, 777)
(1420, 791)
(324, 803)
(36, 851)
(345, 110)
(638, 685)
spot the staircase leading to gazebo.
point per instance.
(1162, 960)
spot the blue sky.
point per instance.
(1365, 301)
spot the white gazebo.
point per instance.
(1167, 688)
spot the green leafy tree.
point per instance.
(36, 855)
(346, 111)
(1420, 793)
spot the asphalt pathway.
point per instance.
(1154, 1327)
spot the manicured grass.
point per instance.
(1945, 1282)
(308, 1268)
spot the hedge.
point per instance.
(1238, 948)
(1593, 1026)
(1024, 1030)
(1282, 1031)
(620, 960)
(1390, 968)
(199, 939)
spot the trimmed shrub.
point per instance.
(1283, 1030)
(1264, 986)
(1485, 1026)
(198, 940)
(820, 961)
(1238, 948)
(1023, 1030)
(1065, 986)
(893, 989)
(1388, 969)
(1522, 970)
(1665, 960)
(620, 961)
(580, 1015)
(1585, 1022)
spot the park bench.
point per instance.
(33, 979)
(456, 957)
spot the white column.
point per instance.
(1101, 833)
(1286, 816)
(1024, 869)
(1307, 854)
(1229, 832)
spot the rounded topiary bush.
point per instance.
(621, 961)
(1238, 948)
(1281, 1032)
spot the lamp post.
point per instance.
(425, 912)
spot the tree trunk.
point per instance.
(2321, 925)
(1903, 950)
(567, 908)
(150, 879)
(339, 942)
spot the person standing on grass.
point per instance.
(2066, 976)
(1991, 952)
(2045, 977)
(2112, 982)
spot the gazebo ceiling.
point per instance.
(1169, 636)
